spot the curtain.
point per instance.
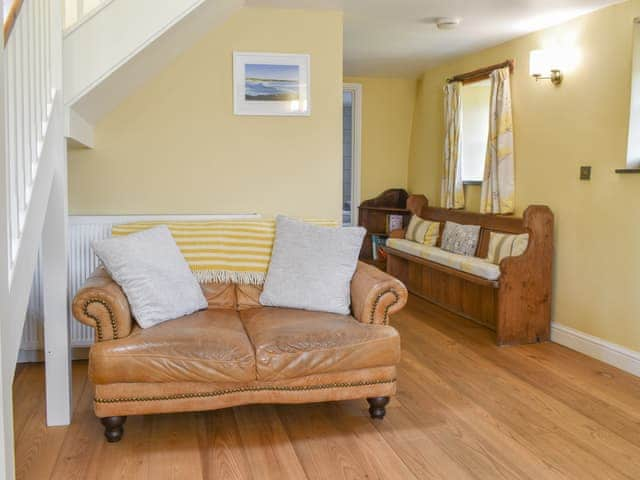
(498, 183)
(452, 191)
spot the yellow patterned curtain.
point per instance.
(498, 183)
(452, 191)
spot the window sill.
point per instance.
(472, 182)
(628, 170)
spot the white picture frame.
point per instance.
(267, 84)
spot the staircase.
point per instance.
(33, 184)
(105, 60)
(60, 73)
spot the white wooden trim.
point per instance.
(54, 298)
(607, 352)
(114, 219)
(85, 17)
(150, 38)
(77, 129)
(356, 147)
(6, 365)
(54, 251)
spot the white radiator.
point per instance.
(82, 262)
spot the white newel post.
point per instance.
(7, 364)
(54, 258)
(54, 300)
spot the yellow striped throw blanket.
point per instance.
(222, 251)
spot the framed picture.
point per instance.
(271, 84)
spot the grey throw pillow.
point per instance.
(460, 239)
(153, 274)
(311, 266)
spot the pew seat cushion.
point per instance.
(464, 263)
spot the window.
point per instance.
(347, 156)
(475, 129)
(633, 146)
(351, 124)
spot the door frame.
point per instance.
(356, 147)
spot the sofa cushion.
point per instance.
(208, 346)
(473, 265)
(311, 266)
(153, 274)
(292, 343)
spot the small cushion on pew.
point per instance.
(503, 245)
(461, 239)
(423, 231)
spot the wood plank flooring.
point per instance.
(465, 409)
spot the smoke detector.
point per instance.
(447, 23)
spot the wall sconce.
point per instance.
(545, 65)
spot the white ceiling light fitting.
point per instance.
(447, 23)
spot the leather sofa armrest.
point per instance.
(102, 304)
(375, 295)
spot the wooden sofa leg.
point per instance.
(377, 406)
(113, 429)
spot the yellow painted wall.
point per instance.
(175, 146)
(582, 122)
(387, 117)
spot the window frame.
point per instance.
(356, 148)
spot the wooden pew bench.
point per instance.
(512, 298)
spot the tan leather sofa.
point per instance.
(238, 352)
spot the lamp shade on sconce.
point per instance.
(545, 64)
(538, 65)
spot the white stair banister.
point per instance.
(28, 78)
(6, 405)
(33, 204)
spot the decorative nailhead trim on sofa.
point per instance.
(386, 310)
(218, 393)
(112, 317)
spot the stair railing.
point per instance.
(29, 95)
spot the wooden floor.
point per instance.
(465, 409)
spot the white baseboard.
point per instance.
(607, 352)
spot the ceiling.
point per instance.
(399, 37)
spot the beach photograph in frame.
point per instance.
(271, 84)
